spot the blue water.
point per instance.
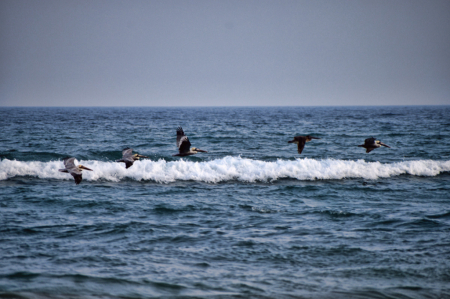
(249, 219)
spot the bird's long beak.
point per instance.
(314, 137)
(84, 167)
(291, 141)
(141, 156)
(381, 143)
(201, 151)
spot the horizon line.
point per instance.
(215, 106)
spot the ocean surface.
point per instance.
(249, 219)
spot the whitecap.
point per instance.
(227, 169)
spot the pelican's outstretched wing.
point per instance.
(185, 145)
(69, 162)
(369, 141)
(183, 142)
(301, 143)
(127, 152)
(300, 147)
(180, 136)
(77, 176)
(128, 163)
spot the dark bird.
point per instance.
(301, 140)
(371, 143)
(74, 170)
(183, 145)
(128, 158)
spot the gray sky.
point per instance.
(224, 53)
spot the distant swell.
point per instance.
(226, 169)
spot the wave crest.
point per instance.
(227, 169)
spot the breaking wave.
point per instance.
(227, 169)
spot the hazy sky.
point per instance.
(224, 53)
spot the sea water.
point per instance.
(251, 218)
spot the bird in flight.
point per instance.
(184, 144)
(128, 158)
(371, 143)
(75, 171)
(301, 140)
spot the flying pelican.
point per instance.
(128, 158)
(74, 170)
(301, 140)
(183, 145)
(371, 143)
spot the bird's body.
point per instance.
(371, 143)
(75, 171)
(184, 144)
(301, 140)
(128, 157)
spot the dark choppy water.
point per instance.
(249, 219)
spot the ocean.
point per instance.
(251, 218)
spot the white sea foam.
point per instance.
(226, 169)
